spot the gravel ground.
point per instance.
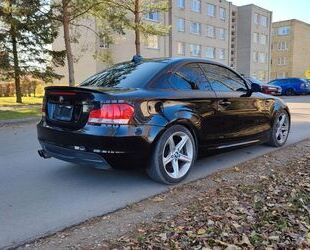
(263, 203)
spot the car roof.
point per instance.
(288, 78)
(184, 59)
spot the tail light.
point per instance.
(119, 113)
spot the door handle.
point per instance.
(224, 103)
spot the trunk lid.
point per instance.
(69, 107)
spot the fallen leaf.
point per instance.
(201, 231)
(157, 199)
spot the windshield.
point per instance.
(126, 75)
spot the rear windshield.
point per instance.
(126, 75)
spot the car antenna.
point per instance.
(137, 58)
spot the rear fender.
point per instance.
(185, 118)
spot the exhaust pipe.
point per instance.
(42, 153)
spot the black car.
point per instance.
(265, 88)
(158, 112)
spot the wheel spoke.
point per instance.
(277, 133)
(181, 144)
(167, 159)
(282, 120)
(171, 144)
(175, 165)
(185, 158)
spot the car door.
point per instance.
(194, 99)
(240, 117)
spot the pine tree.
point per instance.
(26, 31)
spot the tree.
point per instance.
(130, 15)
(26, 31)
(69, 13)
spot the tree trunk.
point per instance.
(68, 43)
(16, 67)
(137, 30)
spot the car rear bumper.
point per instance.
(98, 145)
(74, 156)
(273, 92)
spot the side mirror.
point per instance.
(256, 87)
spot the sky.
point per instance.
(282, 9)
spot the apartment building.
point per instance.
(210, 29)
(290, 49)
(201, 29)
(254, 41)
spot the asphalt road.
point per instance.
(40, 196)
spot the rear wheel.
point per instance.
(280, 129)
(290, 92)
(173, 156)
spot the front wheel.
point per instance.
(290, 92)
(173, 156)
(280, 129)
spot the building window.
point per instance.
(196, 5)
(152, 42)
(263, 39)
(152, 16)
(195, 50)
(210, 31)
(181, 48)
(262, 57)
(210, 52)
(255, 56)
(222, 13)
(281, 74)
(195, 28)
(181, 4)
(284, 31)
(256, 18)
(282, 61)
(211, 9)
(181, 24)
(222, 34)
(221, 54)
(263, 21)
(283, 45)
(255, 37)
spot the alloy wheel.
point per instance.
(282, 127)
(178, 154)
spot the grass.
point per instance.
(19, 113)
(11, 101)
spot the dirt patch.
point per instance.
(263, 203)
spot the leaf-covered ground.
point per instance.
(263, 204)
(273, 211)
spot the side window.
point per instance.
(223, 79)
(189, 76)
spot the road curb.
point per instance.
(19, 121)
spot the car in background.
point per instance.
(264, 88)
(292, 86)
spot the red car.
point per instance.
(265, 88)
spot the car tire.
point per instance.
(280, 129)
(173, 156)
(290, 92)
